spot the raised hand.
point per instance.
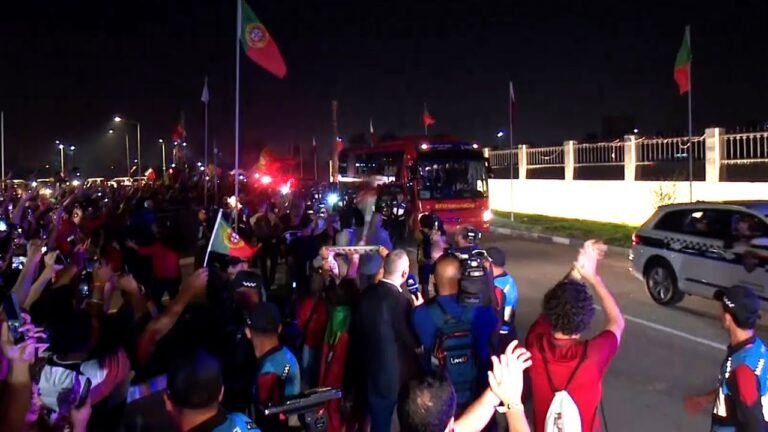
(506, 378)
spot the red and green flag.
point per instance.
(258, 43)
(225, 240)
(683, 63)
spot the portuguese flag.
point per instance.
(225, 241)
(258, 44)
(683, 63)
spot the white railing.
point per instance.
(501, 158)
(745, 148)
(669, 149)
(599, 154)
(546, 156)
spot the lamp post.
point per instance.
(162, 144)
(61, 156)
(127, 153)
(118, 119)
(72, 155)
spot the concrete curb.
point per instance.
(551, 239)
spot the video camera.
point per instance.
(475, 284)
(308, 406)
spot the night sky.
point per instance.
(67, 67)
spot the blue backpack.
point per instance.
(454, 354)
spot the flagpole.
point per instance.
(213, 236)
(237, 109)
(511, 147)
(335, 123)
(690, 120)
(215, 175)
(426, 126)
(205, 177)
(2, 142)
(301, 162)
(314, 156)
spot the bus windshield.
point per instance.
(452, 177)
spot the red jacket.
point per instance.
(165, 261)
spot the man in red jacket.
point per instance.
(561, 359)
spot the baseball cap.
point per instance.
(496, 256)
(742, 303)
(246, 279)
(195, 381)
(264, 318)
(411, 283)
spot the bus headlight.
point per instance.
(487, 215)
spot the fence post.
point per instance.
(630, 157)
(522, 156)
(714, 142)
(569, 159)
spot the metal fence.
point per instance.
(737, 149)
(599, 154)
(745, 148)
(669, 149)
(501, 158)
(546, 156)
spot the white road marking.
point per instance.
(669, 330)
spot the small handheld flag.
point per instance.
(225, 240)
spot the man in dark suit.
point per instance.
(387, 344)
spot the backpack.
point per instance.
(454, 354)
(563, 414)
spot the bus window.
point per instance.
(376, 164)
(445, 177)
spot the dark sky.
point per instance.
(67, 67)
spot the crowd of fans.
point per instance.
(101, 331)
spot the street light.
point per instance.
(118, 119)
(162, 144)
(499, 134)
(61, 156)
(127, 151)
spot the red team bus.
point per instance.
(441, 175)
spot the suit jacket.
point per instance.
(385, 341)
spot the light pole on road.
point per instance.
(118, 119)
(61, 156)
(127, 152)
(162, 144)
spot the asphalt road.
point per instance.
(665, 353)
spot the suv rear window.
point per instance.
(696, 222)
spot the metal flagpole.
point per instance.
(314, 156)
(690, 119)
(301, 162)
(2, 142)
(205, 99)
(335, 123)
(511, 144)
(237, 111)
(215, 175)
(424, 119)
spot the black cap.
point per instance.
(742, 303)
(496, 256)
(195, 381)
(247, 279)
(264, 318)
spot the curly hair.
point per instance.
(569, 307)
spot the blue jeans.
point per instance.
(381, 411)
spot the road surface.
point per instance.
(665, 353)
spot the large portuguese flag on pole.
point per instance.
(258, 43)
(683, 63)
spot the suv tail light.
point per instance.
(635, 239)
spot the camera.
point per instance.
(475, 286)
(18, 262)
(308, 406)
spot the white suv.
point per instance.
(698, 248)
